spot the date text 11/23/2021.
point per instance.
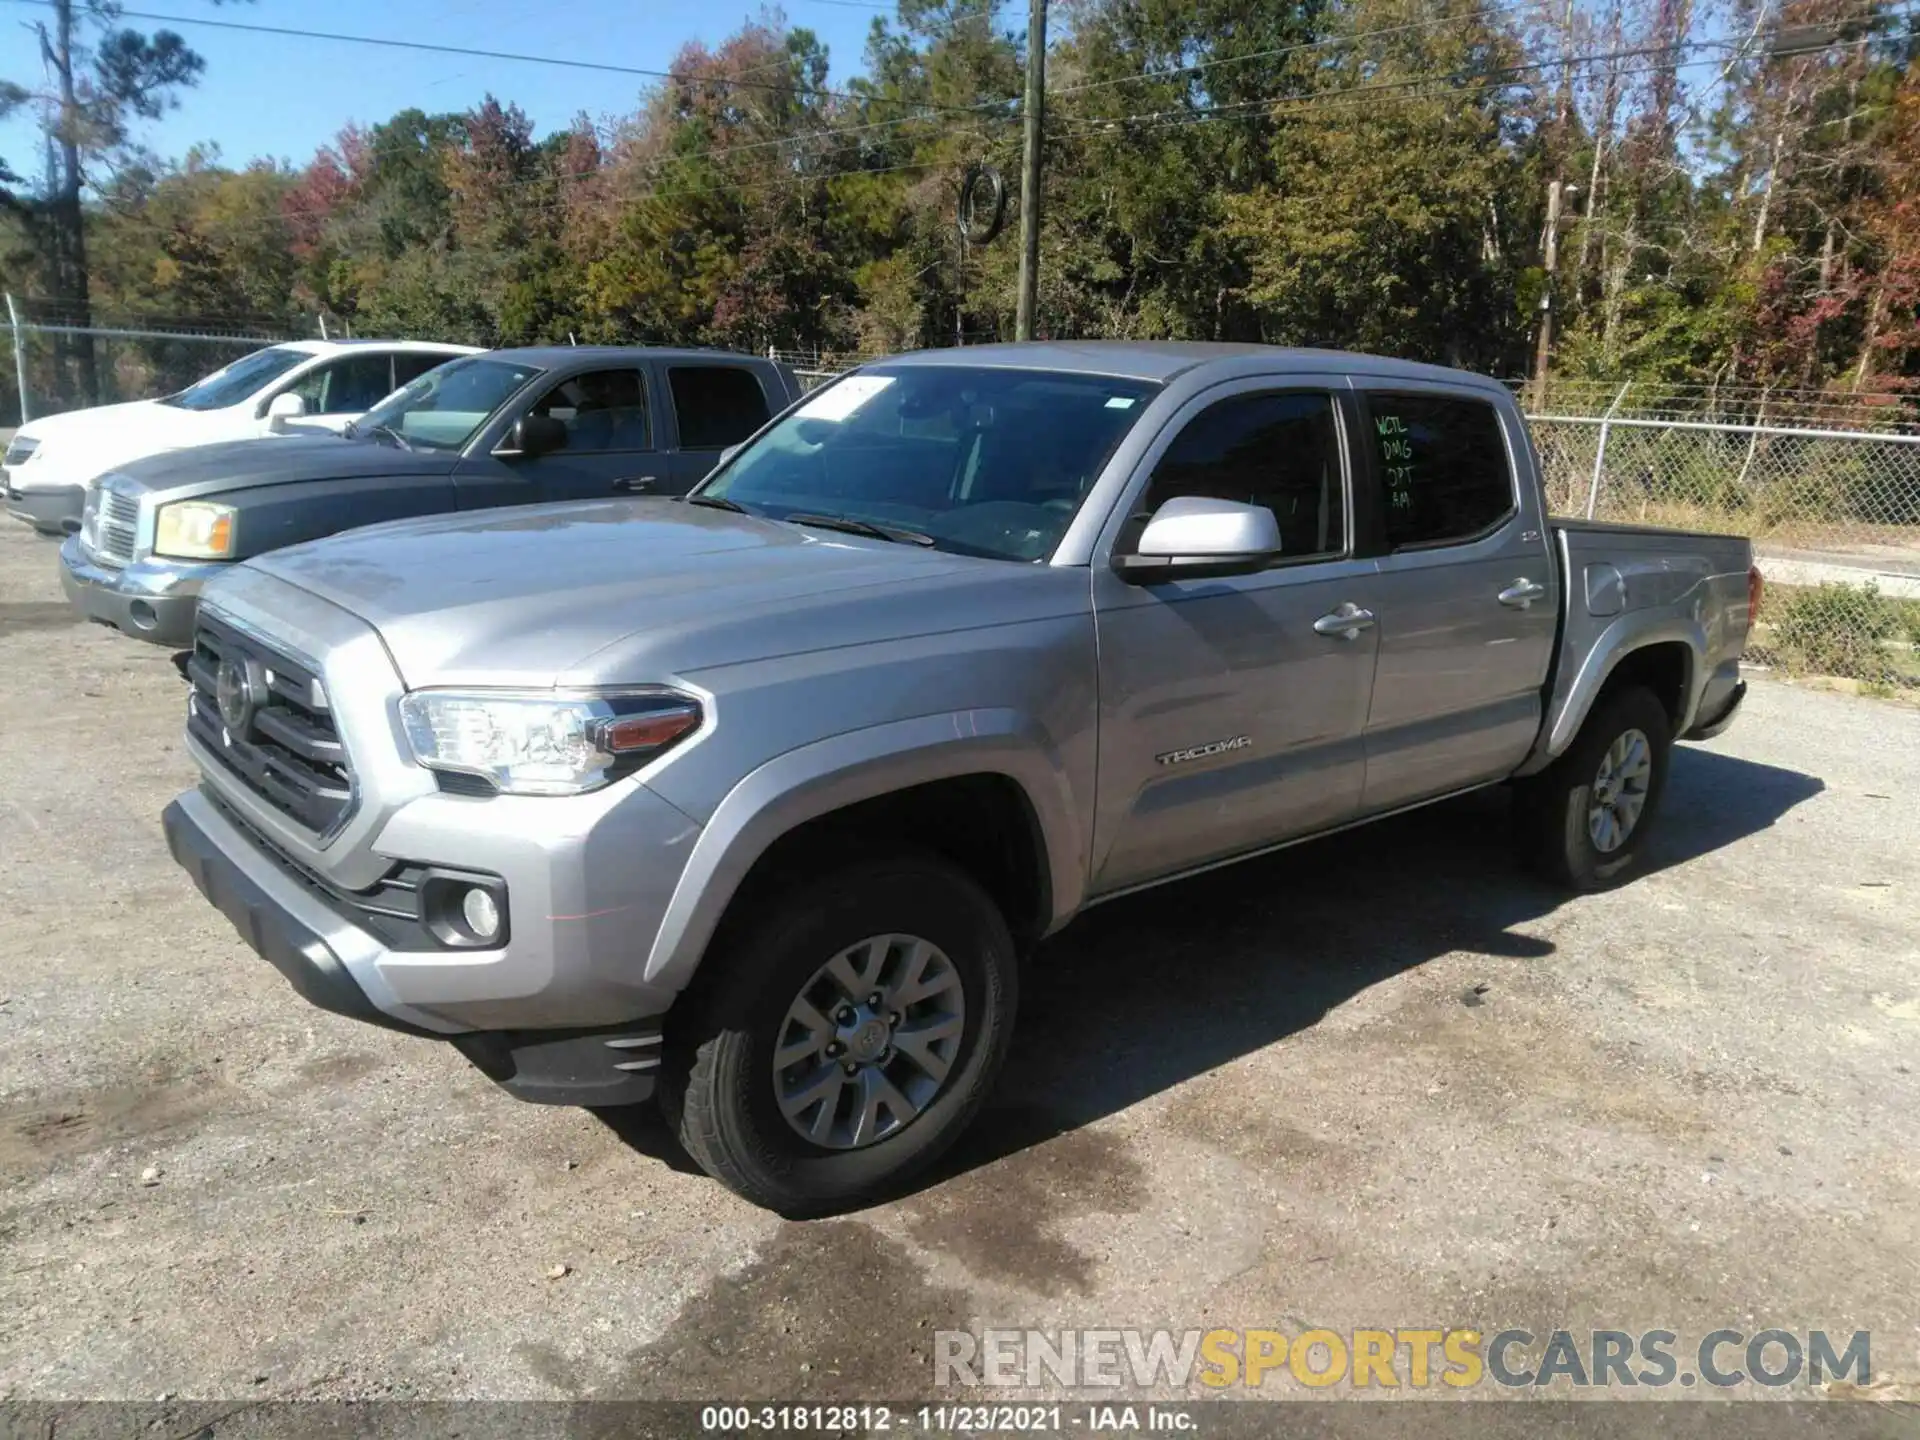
(948, 1419)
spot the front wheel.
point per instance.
(1583, 820)
(844, 1036)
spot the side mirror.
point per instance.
(1192, 537)
(531, 437)
(728, 453)
(284, 407)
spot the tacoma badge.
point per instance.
(1202, 752)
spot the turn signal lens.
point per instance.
(648, 731)
(1755, 587)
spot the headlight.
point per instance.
(532, 743)
(194, 530)
(20, 450)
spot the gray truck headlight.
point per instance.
(543, 743)
(194, 530)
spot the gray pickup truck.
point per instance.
(753, 802)
(509, 427)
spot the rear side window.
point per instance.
(346, 387)
(410, 365)
(1275, 449)
(1441, 466)
(716, 405)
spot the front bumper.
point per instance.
(150, 599)
(335, 966)
(52, 511)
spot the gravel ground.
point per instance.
(1381, 1081)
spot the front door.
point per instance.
(1464, 597)
(1231, 710)
(610, 448)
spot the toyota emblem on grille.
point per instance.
(233, 691)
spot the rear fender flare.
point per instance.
(1629, 633)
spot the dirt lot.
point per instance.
(1377, 1082)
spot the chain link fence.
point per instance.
(53, 364)
(1828, 488)
(1827, 485)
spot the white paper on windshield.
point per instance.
(845, 398)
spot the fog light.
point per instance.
(480, 912)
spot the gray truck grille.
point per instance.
(118, 523)
(286, 749)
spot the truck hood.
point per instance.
(622, 592)
(76, 445)
(276, 460)
(71, 425)
(79, 447)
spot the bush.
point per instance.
(1837, 630)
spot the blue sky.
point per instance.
(269, 95)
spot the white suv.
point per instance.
(304, 384)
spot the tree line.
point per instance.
(1738, 192)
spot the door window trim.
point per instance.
(1337, 391)
(652, 447)
(1375, 496)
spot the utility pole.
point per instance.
(1030, 169)
(1544, 349)
(19, 358)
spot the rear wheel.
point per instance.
(1584, 819)
(843, 1037)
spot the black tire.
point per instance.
(1552, 808)
(717, 1079)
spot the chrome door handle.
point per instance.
(1346, 622)
(1521, 594)
(636, 484)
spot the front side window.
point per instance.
(603, 410)
(977, 460)
(1278, 449)
(239, 381)
(1441, 467)
(715, 405)
(447, 406)
(346, 387)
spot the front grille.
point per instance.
(290, 754)
(119, 522)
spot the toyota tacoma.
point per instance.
(753, 802)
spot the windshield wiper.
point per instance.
(897, 534)
(392, 434)
(718, 502)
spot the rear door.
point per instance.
(713, 404)
(1464, 597)
(1228, 721)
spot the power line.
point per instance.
(430, 47)
(1294, 49)
(1458, 79)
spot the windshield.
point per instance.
(984, 461)
(445, 407)
(238, 381)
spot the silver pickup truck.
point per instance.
(754, 801)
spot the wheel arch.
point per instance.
(1663, 652)
(960, 779)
